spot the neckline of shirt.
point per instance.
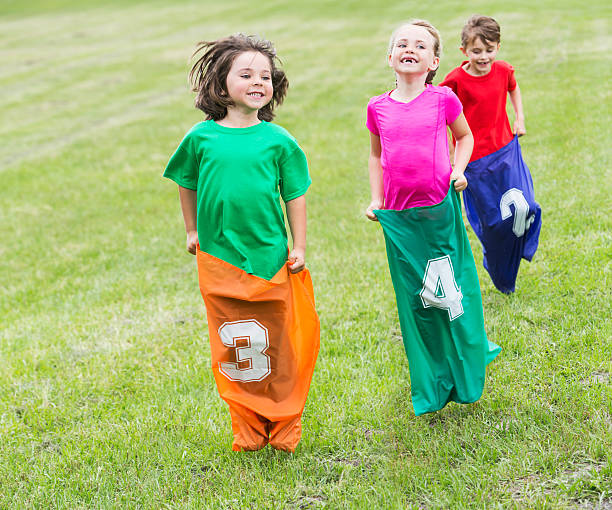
(428, 87)
(237, 131)
(480, 77)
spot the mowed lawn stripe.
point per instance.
(107, 397)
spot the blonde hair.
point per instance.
(432, 31)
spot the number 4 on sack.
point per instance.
(440, 289)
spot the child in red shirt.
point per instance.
(482, 83)
(499, 200)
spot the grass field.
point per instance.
(106, 395)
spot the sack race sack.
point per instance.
(264, 340)
(439, 303)
(501, 208)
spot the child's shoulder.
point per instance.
(440, 89)
(379, 99)
(194, 135)
(454, 74)
(279, 137)
(276, 129)
(502, 64)
(199, 127)
(278, 133)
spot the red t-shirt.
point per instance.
(484, 105)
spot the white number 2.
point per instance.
(440, 289)
(253, 353)
(521, 209)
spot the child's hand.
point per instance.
(519, 127)
(192, 241)
(375, 204)
(460, 180)
(296, 260)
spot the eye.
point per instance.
(245, 75)
(401, 45)
(421, 46)
(266, 78)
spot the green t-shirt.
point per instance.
(239, 175)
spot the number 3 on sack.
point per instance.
(252, 363)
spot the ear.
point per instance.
(463, 50)
(434, 65)
(389, 60)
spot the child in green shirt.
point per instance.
(233, 168)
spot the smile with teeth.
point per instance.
(256, 94)
(409, 60)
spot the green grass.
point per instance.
(107, 398)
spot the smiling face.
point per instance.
(481, 55)
(412, 51)
(249, 82)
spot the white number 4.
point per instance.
(252, 354)
(440, 289)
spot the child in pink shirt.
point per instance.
(409, 162)
(415, 198)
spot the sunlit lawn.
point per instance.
(107, 399)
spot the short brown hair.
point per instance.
(432, 31)
(483, 27)
(208, 76)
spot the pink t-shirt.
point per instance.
(415, 159)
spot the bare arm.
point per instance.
(376, 179)
(519, 116)
(451, 147)
(296, 214)
(188, 198)
(463, 150)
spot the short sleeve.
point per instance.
(453, 106)
(183, 166)
(371, 119)
(449, 82)
(511, 78)
(294, 176)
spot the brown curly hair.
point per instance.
(208, 76)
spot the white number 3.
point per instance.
(252, 354)
(440, 289)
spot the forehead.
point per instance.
(413, 33)
(476, 42)
(252, 60)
